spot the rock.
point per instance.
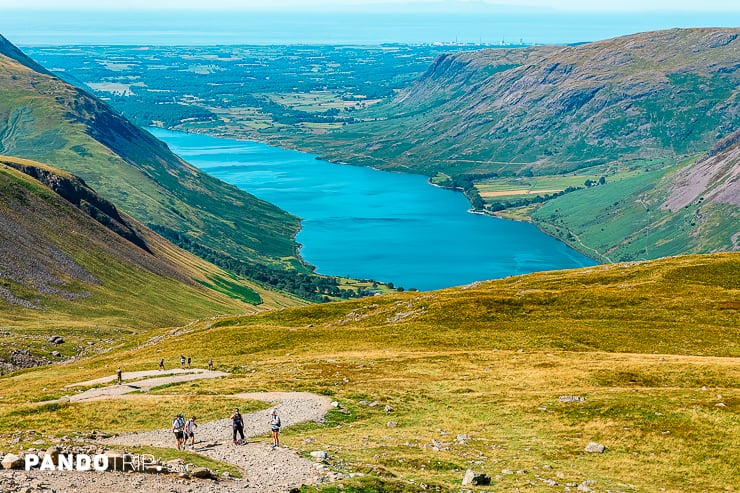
(12, 461)
(388, 409)
(56, 354)
(507, 471)
(571, 398)
(462, 438)
(595, 448)
(475, 478)
(116, 460)
(336, 405)
(319, 455)
(56, 340)
(202, 473)
(53, 452)
(392, 424)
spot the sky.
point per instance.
(565, 5)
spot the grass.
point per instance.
(652, 347)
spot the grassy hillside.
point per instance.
(47, 120)
(474, 377)
(557, 109)
(517, 129)
(693, 206)
(74, 266)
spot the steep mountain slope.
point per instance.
(691, 207)
(556, 109)
(626, 113)
(48, 120)
(73, 264)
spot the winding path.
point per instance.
(264, 469)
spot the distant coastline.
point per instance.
(188, 28)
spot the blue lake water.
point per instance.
(370, 224)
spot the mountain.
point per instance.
(73, 264)
(557, 109)
(599, 144)
(47, 120)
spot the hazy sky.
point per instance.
(580, 5)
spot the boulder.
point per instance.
(13, 461)
(473, 478)
(595, 448)
(53, 452)
(201, 473)
(319, 455)
(116, 460)
(388, 409)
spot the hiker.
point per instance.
(178, 428)
(210, 365)
(275, 427)
(161, 364)
(188, 361)
(237, 424)
(190, 431)
(182, 361)
(119, 376)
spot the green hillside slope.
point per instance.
(74, 266)
(517, 129)
(689, 207)
(48, 120)
(512, 378)
(545, 109)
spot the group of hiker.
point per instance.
(185, 361)
(185, 431)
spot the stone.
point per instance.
(53, 452)
(116, 460)
(56, 354)
(473, 478)
(392, 424)
(201, 473)
(319, 455)
(571, 398)
(336, 405)
(388, 409)
(462, 438)
(13, 461)
(595, 448)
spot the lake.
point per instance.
(370, 224)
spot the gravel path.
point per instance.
(264, 470)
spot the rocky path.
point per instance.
(263, 469)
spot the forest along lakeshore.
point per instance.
(370, 224)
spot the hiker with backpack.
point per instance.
(237, 425)
(178, 428)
